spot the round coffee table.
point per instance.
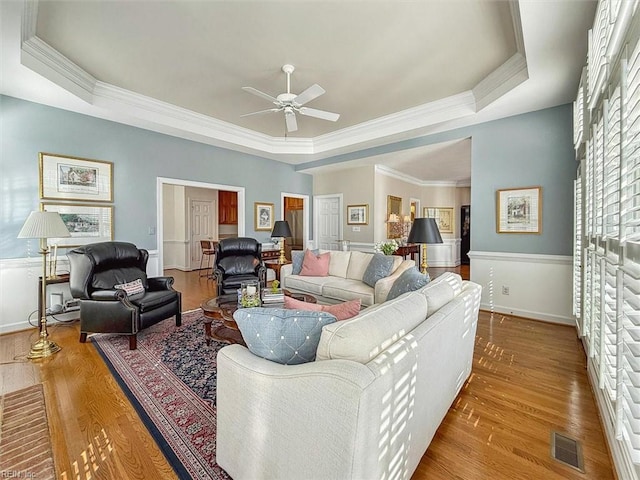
(222, 309)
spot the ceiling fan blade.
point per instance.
(314, 91)
(261, 94)
(290, 118)
(270, 110)
(312, 112)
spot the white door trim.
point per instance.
(160, 181)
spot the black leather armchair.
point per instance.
(238, 260)
(94, 271)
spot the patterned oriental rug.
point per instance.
(171, 381)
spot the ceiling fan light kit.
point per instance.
(290, 103)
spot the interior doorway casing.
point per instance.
(305, 213)
(161, 181)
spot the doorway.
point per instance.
(170, 211)
(295, 210)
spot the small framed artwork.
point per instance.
(443, 216)
(73, 178)
(263, 217)
(87, 223)
(358, 214)
(519, 210)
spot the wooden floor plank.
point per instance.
(528, 378)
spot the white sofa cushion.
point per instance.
(362, 338)
(441, 291)
(358, 264)
(312, 285)
(344, 289)
(338, 263)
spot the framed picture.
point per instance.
(443, 216)
(263, 216)
(358, 214)
(519, 210)
(72, 178)
(87, 223)
(394, 207)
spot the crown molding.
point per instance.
(123, 106)
(390, 172)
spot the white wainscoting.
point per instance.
(539, 285)
(19, 290)
(446, 254)
(176, 254)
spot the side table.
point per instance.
(275, 265)
(62, 278)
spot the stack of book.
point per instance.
(270, 296)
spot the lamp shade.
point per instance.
(394, 218)
(40, 224)
(424, 230)
(281, 229)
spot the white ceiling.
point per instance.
(393, 70)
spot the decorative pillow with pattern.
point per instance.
(408, 281)
(297, 256)
(379, 267)
(132, 288)
(284, 336)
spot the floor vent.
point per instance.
(566, 450)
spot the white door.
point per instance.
(328, 213)
(202, 221)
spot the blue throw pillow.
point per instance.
(408, 281)
(379, 267)
(297, 256)
(284, 336)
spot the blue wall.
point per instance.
(139, 157)
(521, 151)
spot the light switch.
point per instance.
(356, 229)
(152, 230)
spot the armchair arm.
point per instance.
(160, 283)
(109, 295)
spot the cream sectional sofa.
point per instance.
(367, 407)
(344, 282)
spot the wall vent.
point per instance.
(567, 450)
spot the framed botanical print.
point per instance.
(74, 178)
(263, 217)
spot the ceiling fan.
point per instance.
(290, 103)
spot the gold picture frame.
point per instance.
(74, 178)
(263, 216)
(358, 214)
(87, 223)
(444, 217)
(519, 210)
(394, 206)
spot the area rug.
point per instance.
(171, 381)
(25, 445)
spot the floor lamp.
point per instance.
(281, 229)
(424, 231)
(43, 225)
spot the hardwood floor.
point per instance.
(528, 379)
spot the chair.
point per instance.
(115, 294)
(209, 250)
(238, 260)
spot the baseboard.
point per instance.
(545, 317)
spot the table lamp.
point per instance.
(43, 225)
(281, 229)
(424, 231)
